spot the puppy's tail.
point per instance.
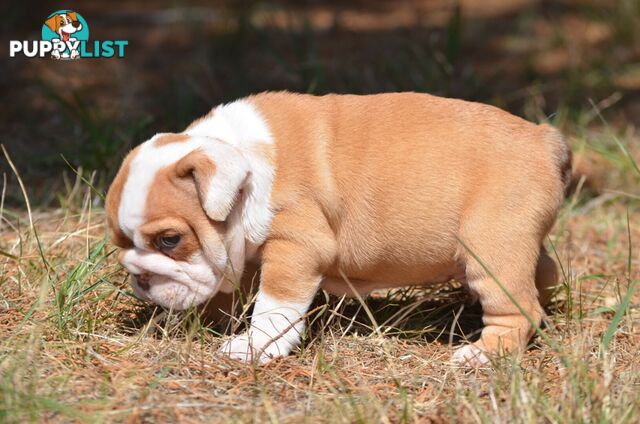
(561, 154)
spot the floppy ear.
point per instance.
(219, 172)
(72, 15)
(52, 23)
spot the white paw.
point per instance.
(470, 355)
(255, 346)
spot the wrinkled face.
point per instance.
(186, 208)
(171, 268)
(178, 253)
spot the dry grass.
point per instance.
(76, 346)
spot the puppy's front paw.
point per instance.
(253, 346)
(238, 347)
(470, 355)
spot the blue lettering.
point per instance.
(83, 50)
(121, 44)
(107, 49)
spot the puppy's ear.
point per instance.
(52, 23)
(72, 15)
(219, 173)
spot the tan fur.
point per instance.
(165, 139)
(387, 200)
(198, 165)
(182, 214)
(393, 190)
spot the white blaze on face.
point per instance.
(142, 172)
(180, 284)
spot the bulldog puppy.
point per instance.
(344, 193)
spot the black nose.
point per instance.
(75, 24)
(142, 280)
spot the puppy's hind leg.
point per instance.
(503, 279)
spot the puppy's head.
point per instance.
(179, 209)
(64, 24)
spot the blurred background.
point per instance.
(561, 61)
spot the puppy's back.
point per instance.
(349, 141)
(396, 173)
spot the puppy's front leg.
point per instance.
(289, 281)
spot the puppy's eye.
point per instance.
(167, 242)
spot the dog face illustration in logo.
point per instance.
(65, 24)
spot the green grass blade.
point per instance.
(624, 305)
(620, 145)
(613, 325)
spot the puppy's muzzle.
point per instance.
(76, 24)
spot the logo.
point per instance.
(65, 36)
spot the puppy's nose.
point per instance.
(75, 24)
(142, 280)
